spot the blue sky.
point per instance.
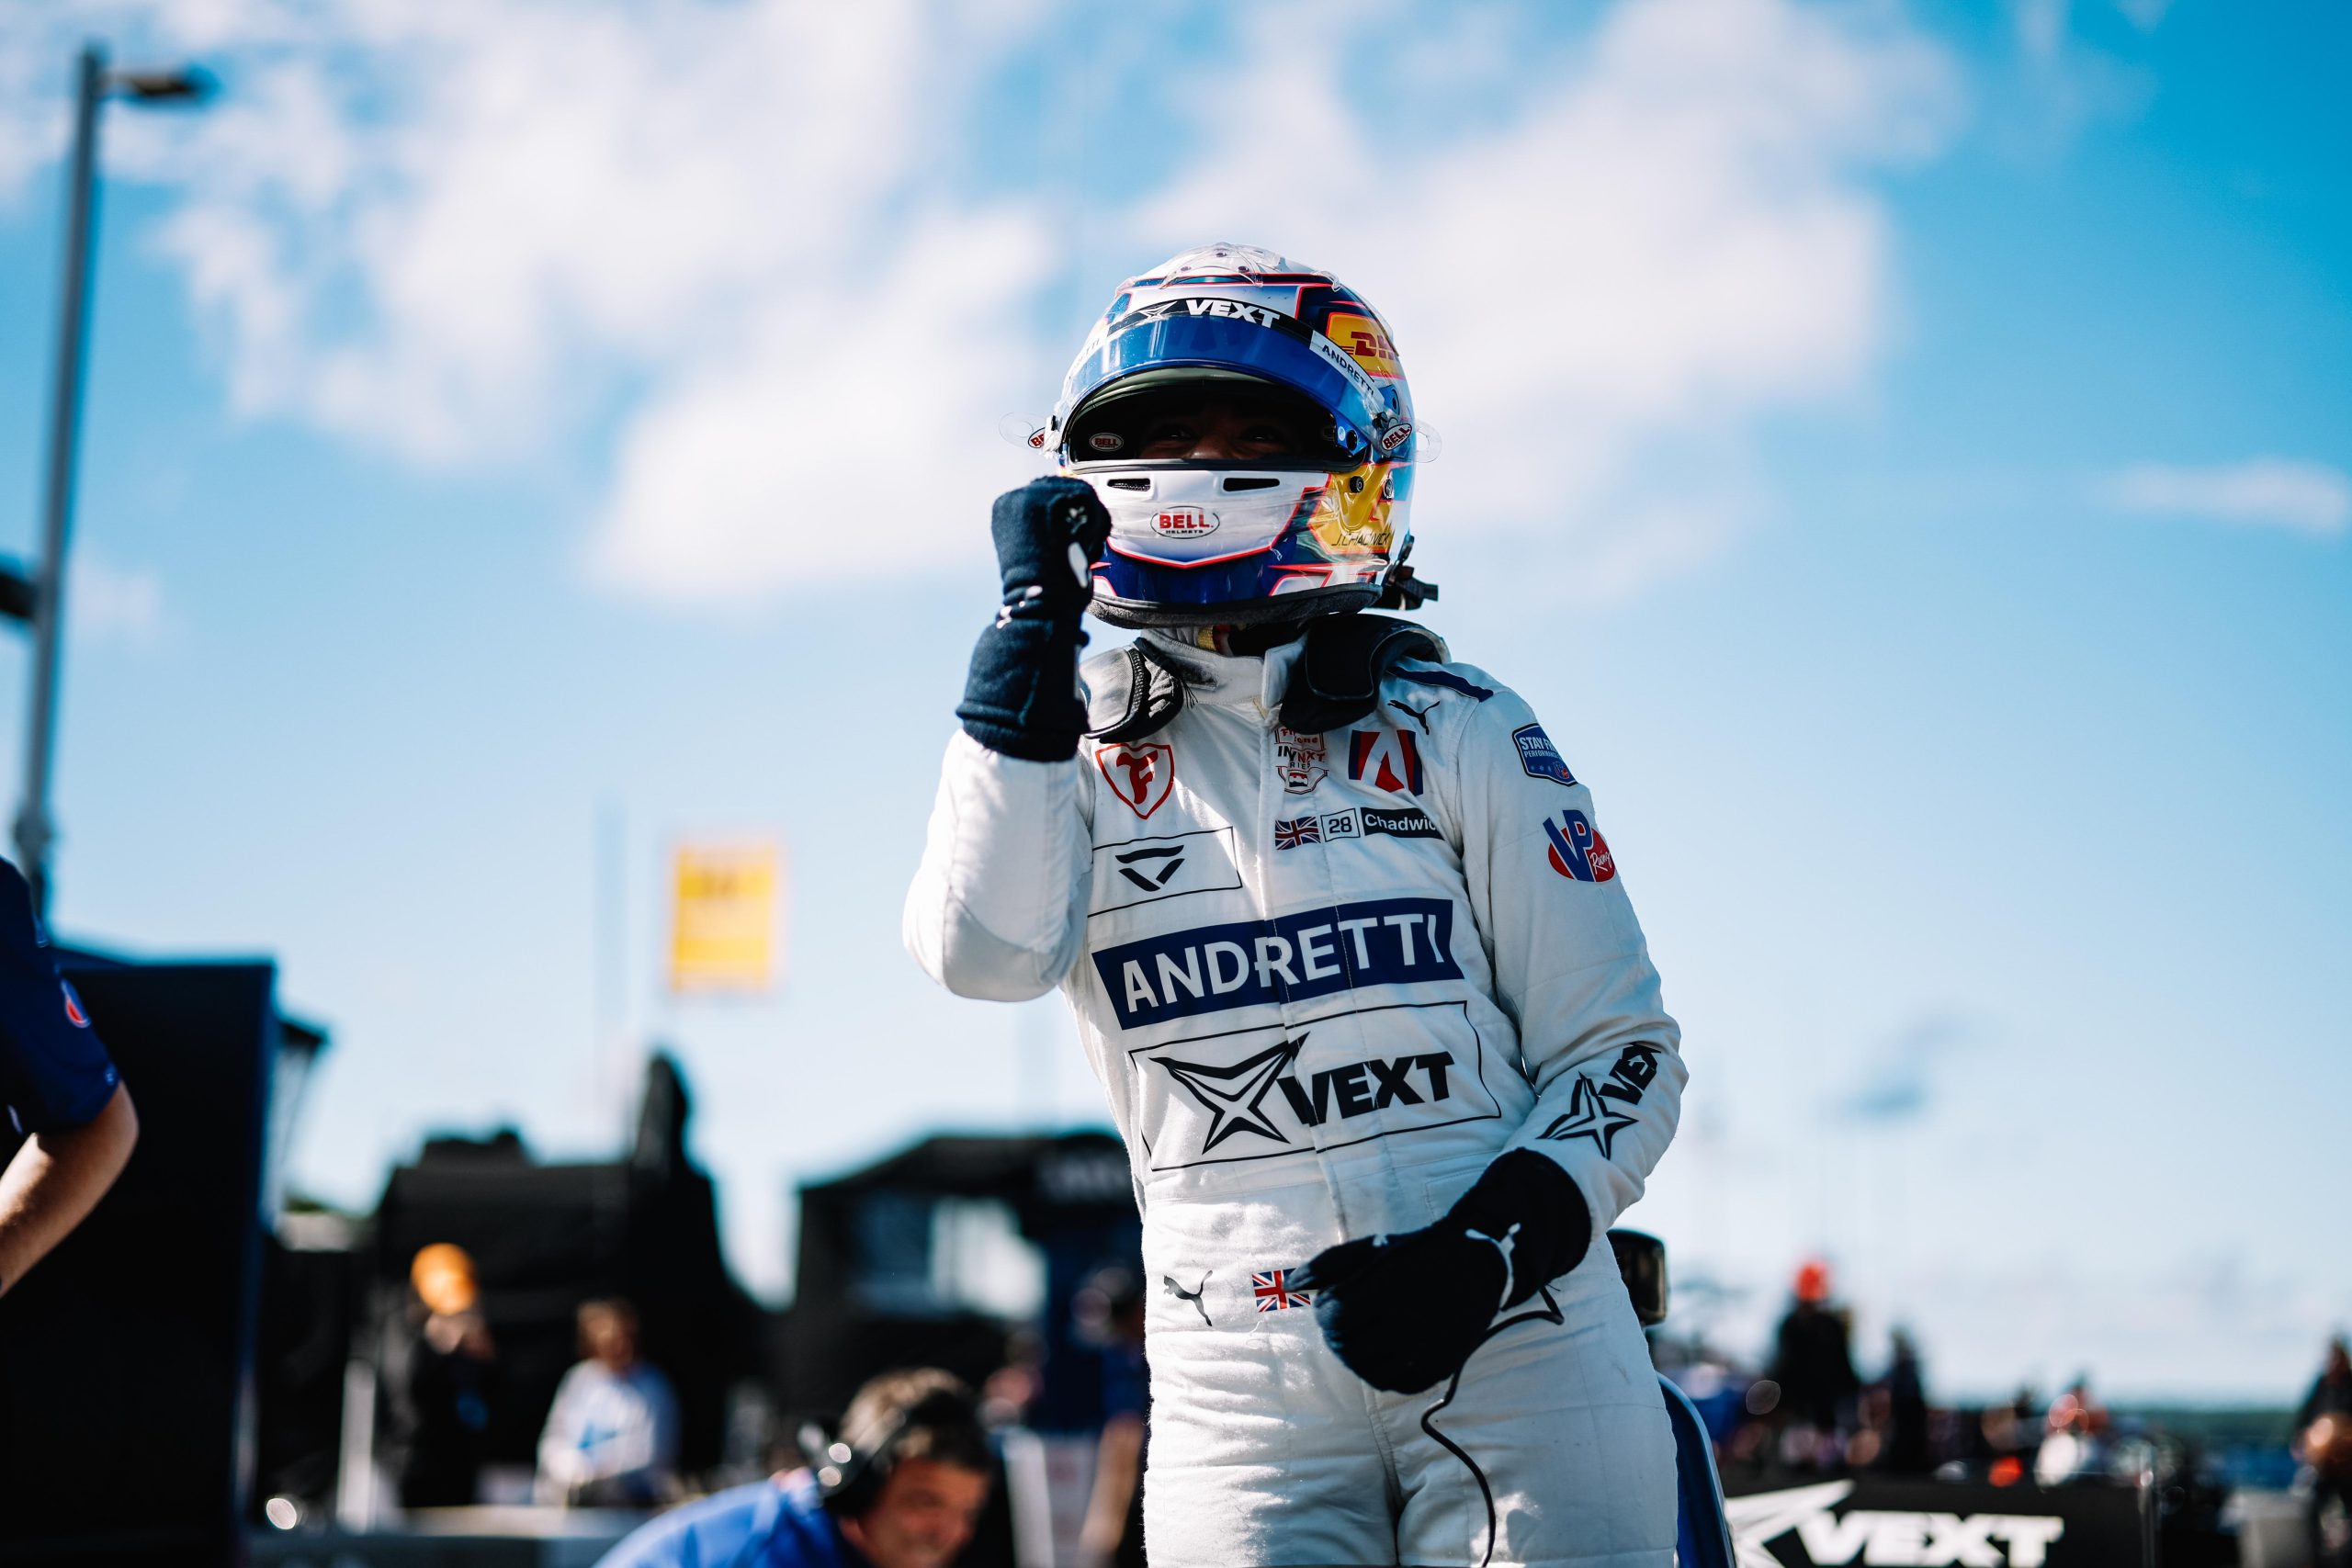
(1901, 451)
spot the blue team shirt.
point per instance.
(767, 1524)
(54, 1071)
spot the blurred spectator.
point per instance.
(1814, 1368)
(902, 1487)
(2323, 1443)
(1904, 1450)
(611, 1438)
(440, 1376)
(1014, 1387)
(2074, 1441)
(1109, 1310)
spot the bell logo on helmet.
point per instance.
(1183, 523)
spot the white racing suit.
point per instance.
(1326, 980)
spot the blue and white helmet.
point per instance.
(1217, 542)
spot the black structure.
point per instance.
(870, 1294)
(125, 1357)
(546, 1238)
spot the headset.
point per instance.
(850, 1478)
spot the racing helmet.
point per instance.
(1318, 529)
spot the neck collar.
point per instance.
(1229, 680)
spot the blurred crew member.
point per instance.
(1110, 1316)
(1813, 1362)
(2074, 1441)
(2323, 1436)
(61, 1093)
(1905, 1452)
(611, 1438)
(442, 1382)
(907, 1494)
(1347, 949)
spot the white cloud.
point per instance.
(106, 602)
(840, 441)
(1677, 241)
(769, 246)
(2262, 492)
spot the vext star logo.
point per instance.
(1590, 1116)
(1231, 1095)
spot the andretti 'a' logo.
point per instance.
(1386, 758)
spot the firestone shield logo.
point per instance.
(1140, 776)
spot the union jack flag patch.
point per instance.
(1296, 832)
(1273, 1295)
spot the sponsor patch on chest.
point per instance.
(1315, 953)
(1253, 1094)
(1144, 871)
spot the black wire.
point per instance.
(1549, 1313)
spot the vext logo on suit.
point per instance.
(1382, 942)
(1140, 776)
(1578, 849)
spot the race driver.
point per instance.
(1346, 947)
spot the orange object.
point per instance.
(443, 1274)
(2006, 1470)
(1813, 1281)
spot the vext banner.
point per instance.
(1925, 1524)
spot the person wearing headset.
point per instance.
(60, 1090)
(902, 1487)
(1346, 947)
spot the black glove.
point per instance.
(1403, 1311)
(1021, 697)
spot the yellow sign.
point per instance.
(725, 931)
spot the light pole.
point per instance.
(43, 596)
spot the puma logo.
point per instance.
(1193, 1295)
(1419, 715)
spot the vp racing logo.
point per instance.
(1295, 957)
(1260, 1093)
(1876, 1535)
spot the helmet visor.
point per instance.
(1176, 415)
(1250, 341)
